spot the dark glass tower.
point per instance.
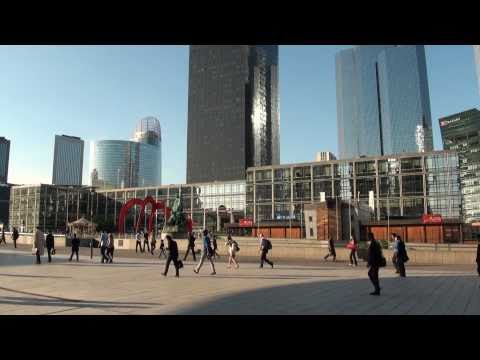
(461, 132)
(233, 111)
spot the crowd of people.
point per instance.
(375, 259)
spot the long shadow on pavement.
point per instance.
(411, 295)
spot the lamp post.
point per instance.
(91, 219)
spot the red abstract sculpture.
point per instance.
(142, 203)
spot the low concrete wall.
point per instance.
(27, 239)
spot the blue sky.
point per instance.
(99, 92)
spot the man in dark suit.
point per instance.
(50, 243)
(75, 247)
(374, 259)
(172, 256)
(191, 246)
(402, 257)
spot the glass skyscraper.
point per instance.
(233, 111)
(4, 157)
(383, 104)
(67, 160)
(126, 164)
(476, 50)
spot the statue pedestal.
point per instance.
(174, 231)
(170, 229)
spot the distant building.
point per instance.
(126, 164)
(461, 132)
(476, 50)
(325, 156)
(67, 160)
(4, 204)
(4, 157)
(233, 111)
(383, 103)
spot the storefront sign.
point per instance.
(431, 219)
(246, 222)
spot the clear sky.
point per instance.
(99, 92)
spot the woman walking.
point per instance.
(162, 249)
(233, 248)
(402, 256)
(331, 250)
(38, 244)
(110, 248)
(153, 244)
(375, 261)
(352, 245)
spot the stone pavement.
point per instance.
(136, 286)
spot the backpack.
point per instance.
(236, 247)
(268, 244)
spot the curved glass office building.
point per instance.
(125, 164)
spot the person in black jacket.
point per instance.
(15, 236)
(75, 247)
(50, 243)
(191, 246)
(374, 260)
(478, 256)
(331, 250)
(172, 256)
(2, 238)
(402, 257)
(145, 241)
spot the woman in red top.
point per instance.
(352, 245)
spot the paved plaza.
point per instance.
(134, 285)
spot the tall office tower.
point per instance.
(461, 132)
(125, 164)
(233, 111)
(67, 160)
(476, 50)
(383, 103)
(4, 157)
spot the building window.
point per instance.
(310, 219)
(311, 232)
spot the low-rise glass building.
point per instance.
(407, 186)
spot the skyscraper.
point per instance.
(124, 164)
(67, 160)
(4, 157)
(476, 50)
(383, 103)
(461, 132)
(233, 111)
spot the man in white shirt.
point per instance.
(139, 238)
(103, 246)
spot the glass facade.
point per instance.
(67, 160)
(461, 132)
(407, 186)
(476, 50)
(233, 111)
(120, 164)
(4, 157)
(383, 104)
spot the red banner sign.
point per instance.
(431, 219)
(246, 222)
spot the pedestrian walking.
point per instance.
(395, 252)
(331, 250)
(375, 261)
(478, 255)
(145, 241)
(15, 236)
(153, 244)
(172, 256)
(75, 247)
(103, 246)
(190, 246)
(38, 244)
(50, 242)
(213, 237)
(233, 248)
(353, 246)
(207, 253)
(138, 236)
(402, 256)
(162, 250)
(110, 247)
(2, 238)
(265, 246)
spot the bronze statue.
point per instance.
(177, 218)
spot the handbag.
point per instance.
(383, 262)
(53, 252)
(180, 264)
(34, 251)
